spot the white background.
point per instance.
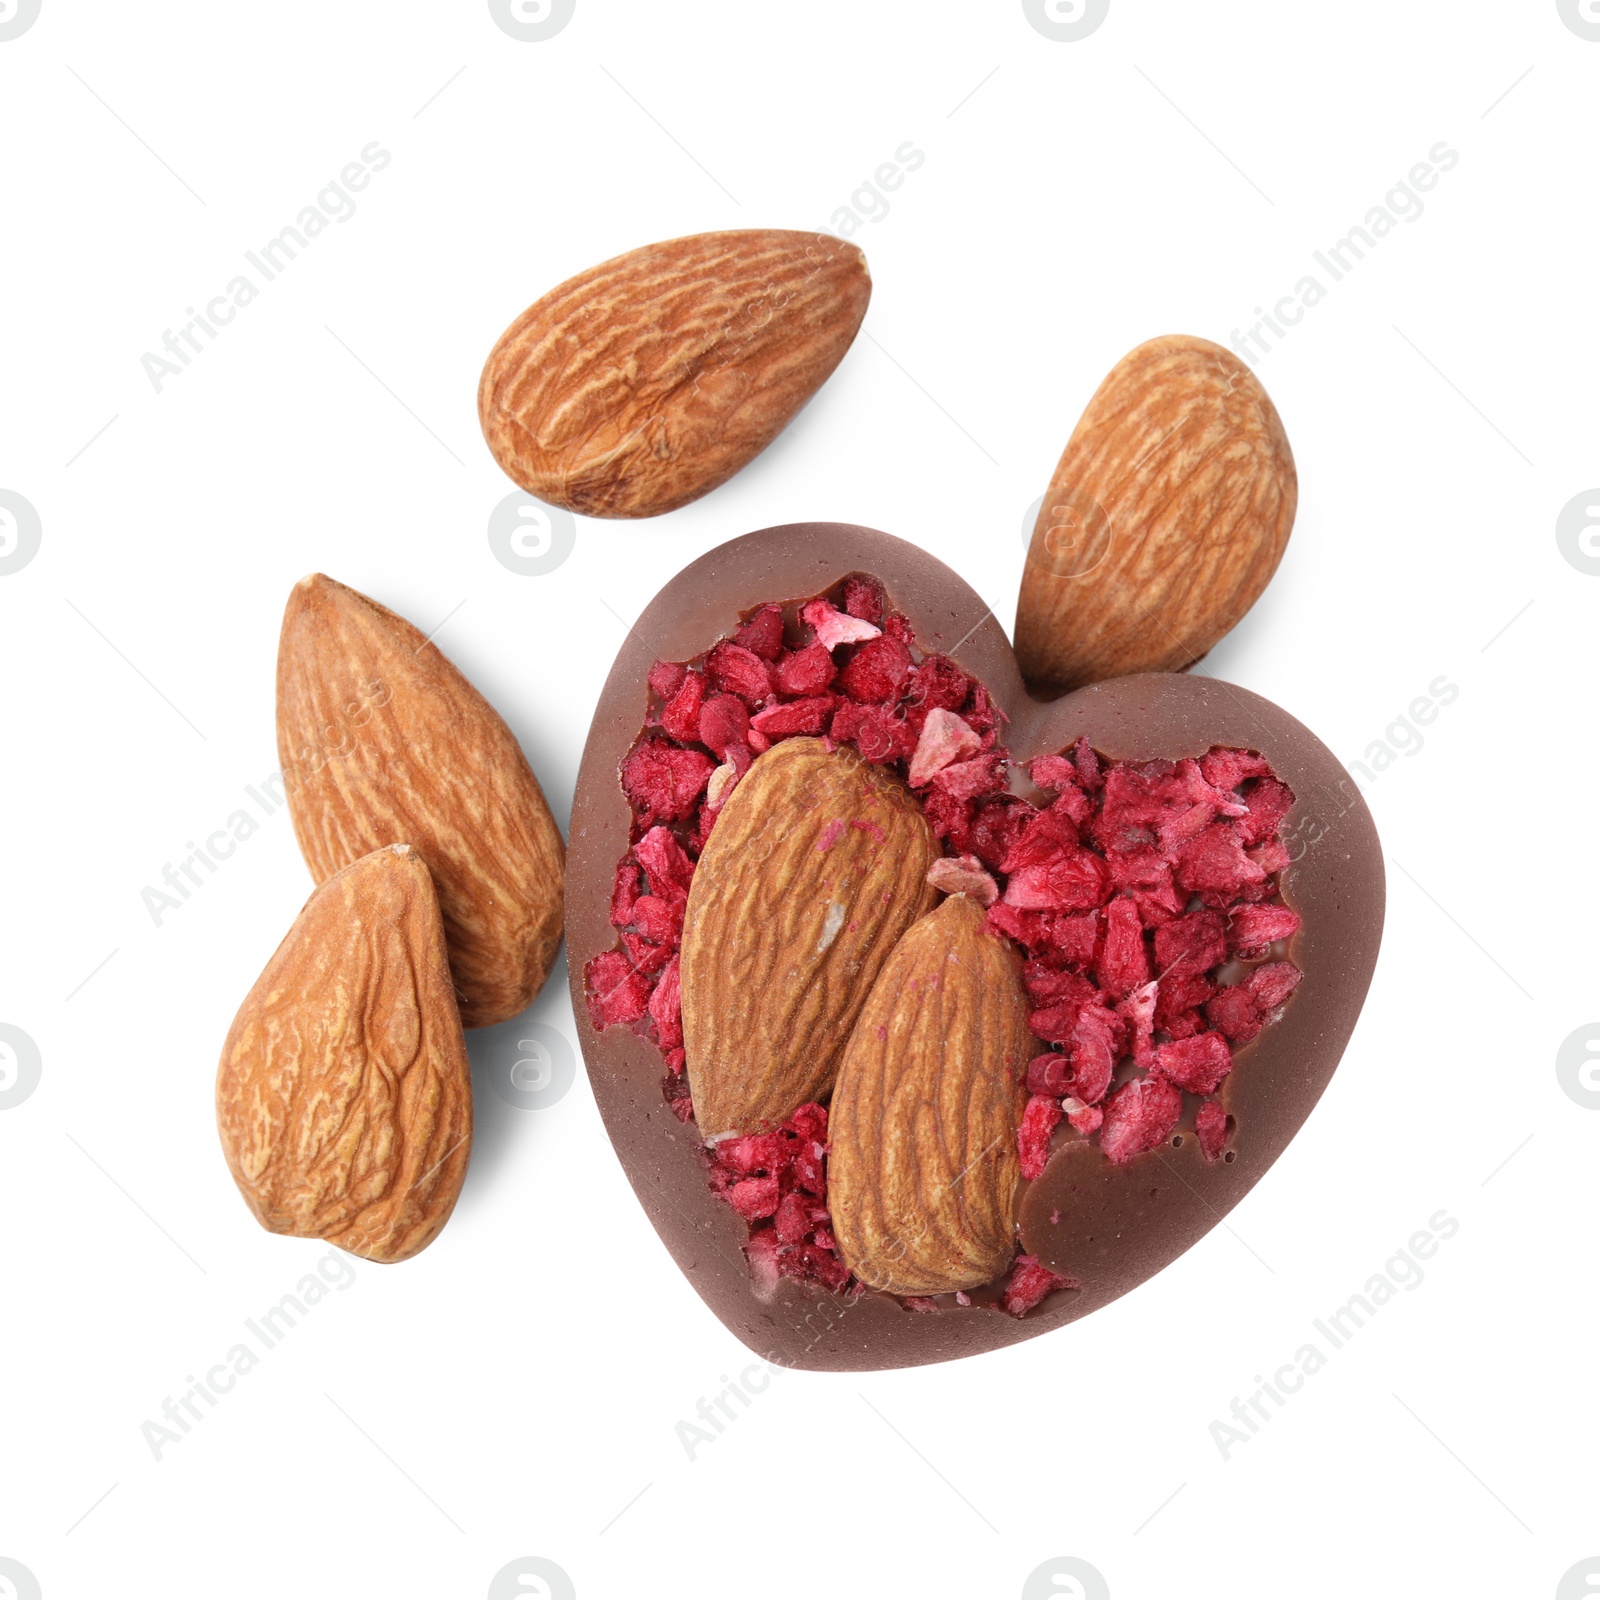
(486, 1401)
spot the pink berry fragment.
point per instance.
(1198, 1064)
(1139, 1116)
(1039, 1121)
(1029, 1283)
(834, 628)
(1211, 1129)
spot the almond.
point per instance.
(645, 382)
(922, 1179)
(344, 1098)
(383, 741)
(1167, 515)
(815, 868)
(924, 1168)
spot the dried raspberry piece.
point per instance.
(647, 956)
(1139, 1011)
(761, 1252)
(917, 1302)
(1211, 1129)
(662, 782)
(1139, 1116)
(875, 731)
(950, 817)
(1124, 964)
(822, 1265)
(736, 670)
(1074, 938)
(1202, 792)
(792, 1219)
(724, 723)
(1273, 856)
(1096, 1039)
(660, 921)
(1191, 945)
(1233, 1012)
(834, 628)
(972, 780)
(1047, 985)
(1086, 1119)
(1029, 928)
(1178, 994)
(1270, 802)
(675, 1090)
(997, 823)
(1052, 773)
(1057, 1021)
(626, 890)
(614, 991)
(666, 677)
(1074, 881)
(1198, 1064)
(751, 1152)
(944, 739)
(963, 875)
(864, 598)
(1272, 984)
(809, 1121)
(758, 742)
(899, 628)
(762, 633)
(1141, 868)
(1039, 1121)
(1048, 835)
(1227, 769)
(669, 870)
(1050, 1074)
(1177, 828)
(808, 716)
(936, 681)
(680, 716)
(754, 1197)
(675, 1059)
(874, 674)
(805, 672)
(666, 1008)
(1029, 1283)
(1216, 861)
(1090, 772)
(1255, 927)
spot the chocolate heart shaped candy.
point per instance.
(1156, 905)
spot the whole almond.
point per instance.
(344, 1097)
(1167, 515)
(922, 1179)
(815, 868)
(383, 741)
(648, 380)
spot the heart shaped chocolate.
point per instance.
(1099, 1208)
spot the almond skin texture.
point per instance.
(1167, 515)
(815, 868)
(344, 1098)
(382, 741)
(645, 382)
(922, 1179)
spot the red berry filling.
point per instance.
(1144, 896)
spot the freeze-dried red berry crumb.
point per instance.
(1211, 1129)
(1139, 1116)
(1039, 1121)
(1144, 894)
(1029, 1283)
